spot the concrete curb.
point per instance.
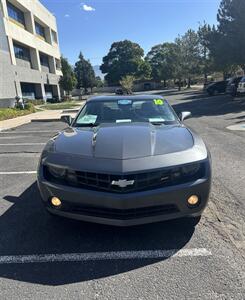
(53, 116)
(237, 127)
(22, 120)
(70, 111)
(8, 125)
(45, 120)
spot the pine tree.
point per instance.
(84, 73)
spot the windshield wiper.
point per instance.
(87, 125)
(157, 123)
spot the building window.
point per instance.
(44, 60)
(28, 90)
(22, 52)
(40, 30)
(54, 37)
(58, 64)
(16, 14)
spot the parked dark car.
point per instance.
(218, 87)
(206, 84)
(126, 160)
(232, 86)
(241, 87)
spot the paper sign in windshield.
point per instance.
(124, 121)
(88, 119)
(124, 102)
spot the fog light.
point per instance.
(55, 201)
(193, 200)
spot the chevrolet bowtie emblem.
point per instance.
(122, 183)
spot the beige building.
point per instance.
(29, 51)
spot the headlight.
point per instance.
(57, 172)
(191, 169)
(50, 146)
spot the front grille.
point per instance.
(119, 214)
(141, 181)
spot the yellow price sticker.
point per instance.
(158, 102)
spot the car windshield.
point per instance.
(156, 111)
(243, 79)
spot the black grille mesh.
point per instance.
(141, 181)
(119, 214)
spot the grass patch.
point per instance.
(10, 113)
(62, 105)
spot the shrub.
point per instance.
(30, 107)
(10, 113)
(54, 100)
(35, 101)
(67, 98)
(127, 83)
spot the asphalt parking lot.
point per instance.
(42, 257)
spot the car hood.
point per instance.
(123, 141)
(211, 85)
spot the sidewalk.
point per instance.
(47, 115)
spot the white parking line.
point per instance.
(92, 256)
(18, 173)
(23, 144)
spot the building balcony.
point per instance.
(23, 63)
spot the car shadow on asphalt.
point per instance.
(27, 229)
(202, 105)
(239, 119)
(173, 92)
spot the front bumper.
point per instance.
(241, 90)
(126, 209)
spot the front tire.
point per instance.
(193, 221)
(52, 215)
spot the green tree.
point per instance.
(144, 70)
(220, 59)
(179, 72)
(68, 80)
(162, 60)
(206, 64)
(127, 83)
(84, 73)
(98, 82)
(231, 24)
(189, 55)
(124, 58)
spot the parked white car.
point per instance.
(241, 86)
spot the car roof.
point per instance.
(220, 81)
(235, 79)
(126, 97)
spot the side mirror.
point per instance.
(185, 115)
(66, 119)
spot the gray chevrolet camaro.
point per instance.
(125, 160)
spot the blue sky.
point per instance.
(91, 26)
